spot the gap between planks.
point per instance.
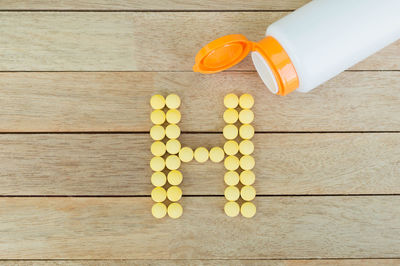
(212, 262)
(192, 132)
(198, 196)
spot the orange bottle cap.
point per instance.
(227, 51)
(222, 54)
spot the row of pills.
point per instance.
(201, 154)
(233, 162)
(231, 131)
(158, 132)
(172, 162)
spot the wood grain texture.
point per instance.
(206, 5)
(355, 262)
(91, 164)
(289, 227)
(63, 102)
(320, 195)
(208, 262)
(126, 41)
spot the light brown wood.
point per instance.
(349, 262)
(289, 227)
(206, 5)
(166, 262)
(320, 195)
(211, 262)
(141, 41)
(62, 102)
(115, 164)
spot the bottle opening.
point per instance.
(274, 66)
(265, 72)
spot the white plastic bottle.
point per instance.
(311, 45)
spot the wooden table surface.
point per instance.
(75, 83)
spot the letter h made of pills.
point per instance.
(236, 154)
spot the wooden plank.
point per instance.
(123, 228)
(104, 164)
(142, 41)
(143, 5)
(63, 102)
(210, 262)
(349, 262)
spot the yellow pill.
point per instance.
(186, 154)
(231, 178)
(172, 131)
(232, 193)
(157, 101)
(246, 116)
(230, 131)
(159, 210)
(157, 163)
(231, 116)
(201, 154)
(247, 177)
(231, 100)
(246, 101)
(158, 179)
(157, 117)
(246, 131)
(172, 162)
(174, 193)
(231, 147)
(247, 162)
(248, 209)
(217, 154)
(175, 177)
(248, 193)
(158, 148)
(173, 146)
(232, 209)
(173, 101)
(231, 163)
(173, 116)
(157, 132)
(175, 210)
(158, 194)
(246, 147)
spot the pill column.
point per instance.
(157, 163)
(247, 162)
(239, 149)
(231, 162)
(173, 162)
(165, 148)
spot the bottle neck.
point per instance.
(277, 70)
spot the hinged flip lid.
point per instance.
(222, 54)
